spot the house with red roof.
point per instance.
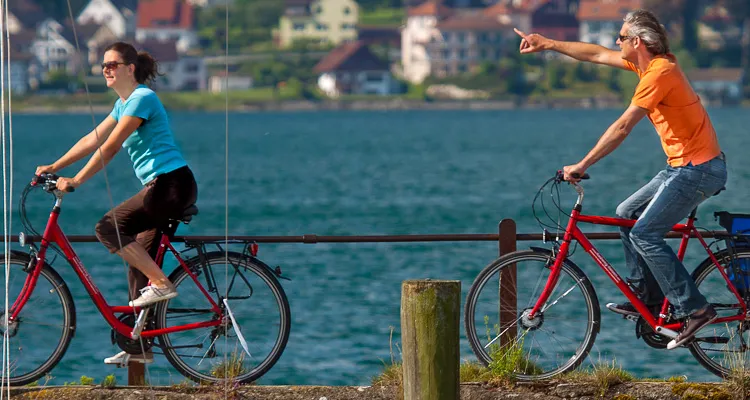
(164, 20)
(352, 68)
(601, 20)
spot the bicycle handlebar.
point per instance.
(48, 182)
(560, 176)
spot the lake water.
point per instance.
(357, 173)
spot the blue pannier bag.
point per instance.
(738, 225)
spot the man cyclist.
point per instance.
(696, 167)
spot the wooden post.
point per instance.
(508, 309)
(430, 314)
(136, 374)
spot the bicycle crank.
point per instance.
(133, 346)
(653, 339)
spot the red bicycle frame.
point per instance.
(53, 234)
(572, 232)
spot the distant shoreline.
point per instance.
(366, 105)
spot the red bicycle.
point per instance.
(538, 306)
(198, 331)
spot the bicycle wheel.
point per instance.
(258, 304)
(557, 340)
(721, 348)
(40, 335)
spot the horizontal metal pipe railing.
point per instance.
(312, 238)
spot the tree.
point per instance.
(682, 12)
(740, 12)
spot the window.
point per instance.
(318, 10)
(191, 68)
(347, 11)
(446, 54)
(462, 55)
(372, 77)
(483, 54)
(299, 26)
(322, 27)
(461, 37)
(462, 68)
(191, 84)
(346, 27)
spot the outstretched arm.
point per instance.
(610, 140)
(125, 127)
(534, 42)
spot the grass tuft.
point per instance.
(602, 375)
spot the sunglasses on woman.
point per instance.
(112, 64)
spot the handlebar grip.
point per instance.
(584, 176)
(70, 189)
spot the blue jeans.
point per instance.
(663, 202)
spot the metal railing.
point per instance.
(507, 238)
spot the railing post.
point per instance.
(136, 374)
(507, 285)
(430, 315)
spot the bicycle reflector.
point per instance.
(22, 239)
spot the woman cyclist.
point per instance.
(138, 123)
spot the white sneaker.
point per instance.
(122, 359)
(152, 294)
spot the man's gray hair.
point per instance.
(646, 26)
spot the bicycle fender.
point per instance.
(26, 255)
(275, 271)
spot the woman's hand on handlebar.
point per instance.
(66, 184)
(573, 173)
(45, 169)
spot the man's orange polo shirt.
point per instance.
(675, 110)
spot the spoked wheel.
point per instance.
(721, 348)
(261, 318)
(40, 336)
(498, 325)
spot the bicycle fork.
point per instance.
(554, 275)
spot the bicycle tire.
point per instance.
(56, 287)
(532, 369)
(706, 281)
(267, 281)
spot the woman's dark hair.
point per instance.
(146, 67)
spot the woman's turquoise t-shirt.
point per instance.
(151, 147)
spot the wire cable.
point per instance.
(107, 183)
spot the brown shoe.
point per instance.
(695, 322)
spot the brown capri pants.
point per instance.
(144, 216)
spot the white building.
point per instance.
(181, 72)
(353, 69)
(117, 15)
(420, 30)
(221, 83)
(601, 20)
